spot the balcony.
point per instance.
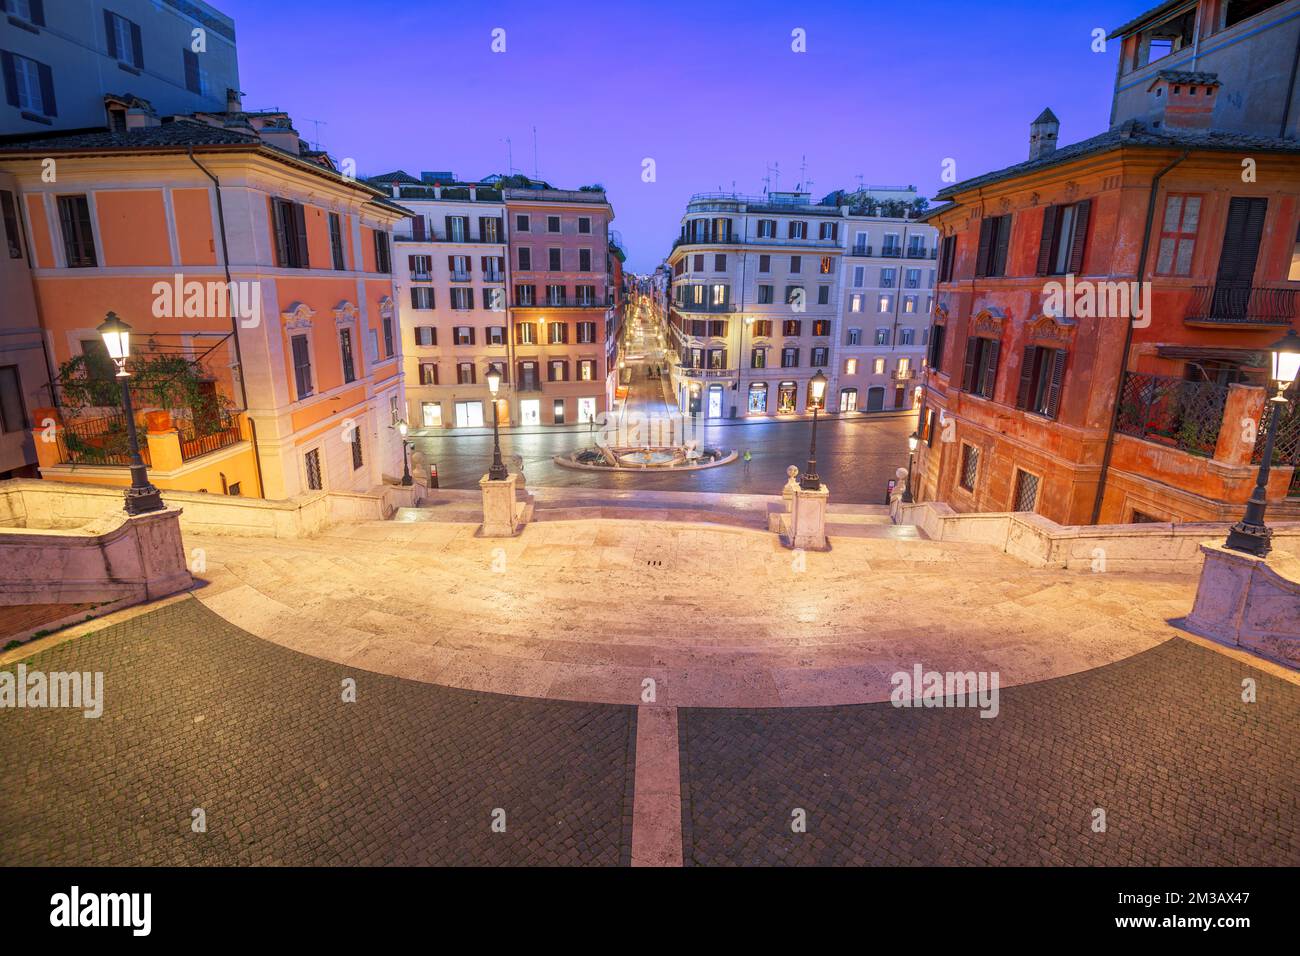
(421, 277)
(921, 253)
(705, 307)
(891, 252)
(860, 251)
(460, 277)
(903, 374)
(1170, 411)
(1241, 307)
(709, 374)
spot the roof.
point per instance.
(174, 137)
(936, 211)
(396, 176)
(1155, 13)
(1046, 116)
(1188, 78)
(1130, 134)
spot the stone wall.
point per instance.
(1249, 602)
(1042, 543)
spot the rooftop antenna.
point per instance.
(536, 175)
(317, 124)
(859, 179)
(803, 174)
(510, 159)
(774, 171)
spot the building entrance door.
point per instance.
(530, 411)
(875, 399)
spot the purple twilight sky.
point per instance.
(712, 92)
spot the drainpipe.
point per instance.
(234, 321)
(1290, 89)
(1128, 338)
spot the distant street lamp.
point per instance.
(498, 470)
(912, 441)
(402, 429)
(817, 389)
(1250, 534)
(141, 497)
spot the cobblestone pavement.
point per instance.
(1186, 772)
(199, 714)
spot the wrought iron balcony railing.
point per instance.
(1171, 411)
(1232, 306)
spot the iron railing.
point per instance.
(1171, 411)
(1242, 305)
(98, 441)
(1286, 446)
(196, 442)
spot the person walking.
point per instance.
(748, 459)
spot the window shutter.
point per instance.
(447, 223)
(47, 90)
(112, 37)
(139, 47)
(281, 230)
(1241, 238)
(986, 237)
(1053, 402)
(300, 234)
(990, 368)
(38, 12)
(191, 60)
(1026, 377)
(999, 265)
(1081, 212)
(1045, 242)
(11, 78)
(417, 228)
(968, 372)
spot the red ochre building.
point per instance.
(1081, 410)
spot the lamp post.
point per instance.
(402, 429)
(912, 441)
(817, 388)
(498, 470)
(141, 497)
(1250, 534)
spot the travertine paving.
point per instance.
(718, 616)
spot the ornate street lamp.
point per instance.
(141, 497)
(912, 441)
(402, 429)
(1250, 534)
(817, 392)
(498, 470)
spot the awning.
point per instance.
(1248, 358)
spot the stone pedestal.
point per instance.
(503, 517)
(1249, 602)
(807, 528)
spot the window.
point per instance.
(30, 10)
(935, 358)
(356, 447)
(765, 294)
(821, 327)
(912, 279)
(859, 276)
(521, 222)
(458, 267)
(123, 40)
(796, 264)
(496, 335)
(767, 229)
(888, 278)
(718, 294)
(289, 222)
(1294, 273)
(789, 358)
(823, 295)
(855, 302)
(13, 417)
(995, 236)
(525, 259)
(462, 335)
(758, 358)
(1041, 374)
(421, 297)
(345, 353)
(1026, 491)
(586, 332)
(848, 399)
(465, 373)
(878, 366)
(557, 333)
(525, 295)
(828, 230)
(761, 327)
(1178, 235)
(764, 263)
(794, 296)
(853, 337)
(970, 466)
(78, 238)
(851, 366)
(586, 294)
(383, 263)
(389, 347)
(906, 336)
(758, 396)
(553, 256)
(820, 356)
(717, 358)
(193, 74)
(798, 229)
(587, 370)
(462, 299)
(552, 223)
(885, 303)
(1065, 229)
(311, 462)
(489, 229)
(584, 260)
(9, 211)
(882, 336)
(428, 373)
(557, 370)
(697, 263)
(980, 373)
(457, 228)
(555, 295)
(336, 241)
(792, 327)
(909, 304)
(947, 256)
(493, 267)
(827, 265)
(904, 367)
(302, 366)
(584, 225)
(719, 263)
(526, 333)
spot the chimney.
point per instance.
(1042, 134)
(1181, 100)
(234, 101)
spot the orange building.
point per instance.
(231, 249)
(1104, 311)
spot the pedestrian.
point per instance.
(748, 459)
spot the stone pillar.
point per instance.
(501, 516)
(1244, 403)
(1248, 602)
(808, 520)
(164, 450)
